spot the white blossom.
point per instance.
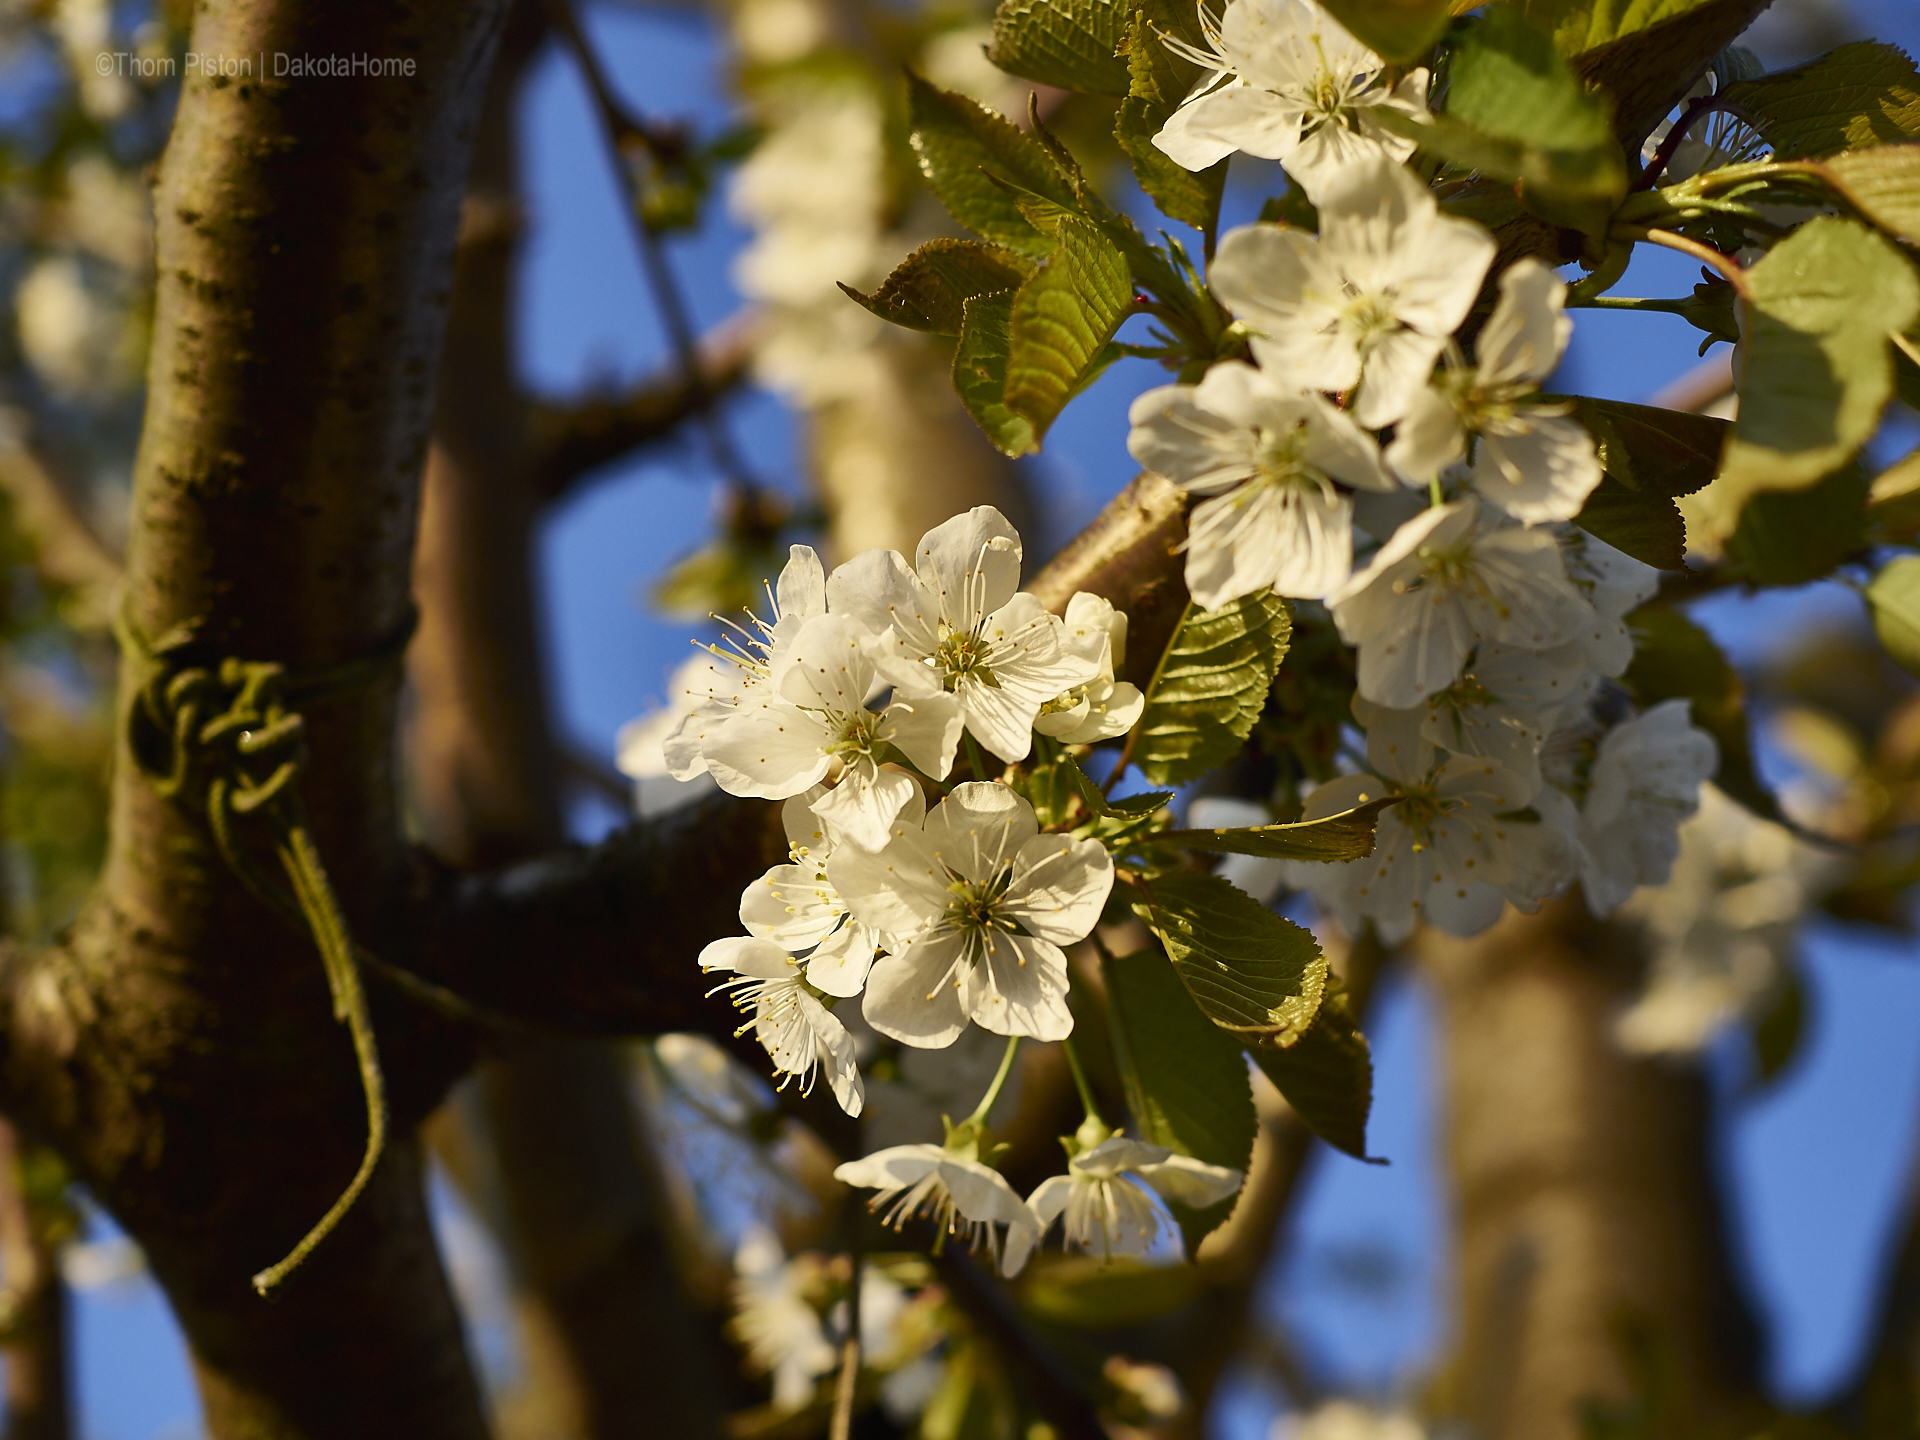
(1288, 83)
(1441, 855)
(814, 189)
(798, 1032)
(774, 1320)
(980, 902)
(796, 907)
(816, 725)
(715, 686)
(1103, 707)
(1264, 459)
(957, 1191)
(959, 625)
(1454, 577)
(1501, 708)
(1106, 1194)
(640, 746)
(1645, 780)
(1532, 461)
(1615, 584)
(1370, 301)
(1721, 928)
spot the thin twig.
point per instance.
(849, 1380)
(1663, 157)
(573, 441)
(1729, 268)
(626, 133)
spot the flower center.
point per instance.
(1368, 319)
(962, 655)
(974, 908)
(1279, 454)
(1419, 808)
(855, 735)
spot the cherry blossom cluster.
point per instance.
(851, 703)
(846, 704)
(1367, 462)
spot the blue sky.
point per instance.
(1815, 1165)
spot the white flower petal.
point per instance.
(916, 996)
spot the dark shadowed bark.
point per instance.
(613, 1347)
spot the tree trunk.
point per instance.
(612, 1345)
(180, 1047)
(1591, 1247)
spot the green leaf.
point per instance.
(1517, 112)
(1251, 972)
(1062, 319)
(961, 144)
(1400, 31)
(1211, 686)
(1098, 804)
(1185, 1080)
(1158, 81)
(1862, 94)
(1883, 184)
(1674, 659)
(1071, 44)
(1650, 456)
(1156, 74)
(980, 372)
(1327, 1076)
(717, 579)
(929, 289)
(1815, 374)
(1794, 537)
(1092, 1292)
(1581, 25)
(1346, 836)
(1190, 196)
(1893, 599)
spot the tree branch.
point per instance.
(569, 442)
(1130, 554)
(598, 940)
(66, 552)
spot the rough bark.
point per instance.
(180, 1048)
(1586, 1211)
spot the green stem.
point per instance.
(1080, 1083)
(1433, 493)
(979, 1116)
(1627, 302)
(1605, 275)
